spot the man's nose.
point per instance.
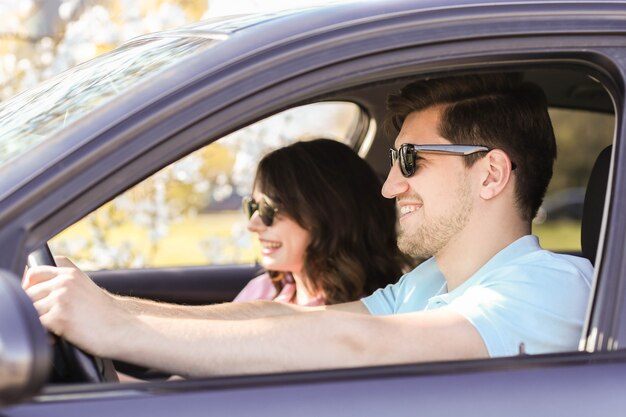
(395, 184)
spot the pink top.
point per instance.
(262, 288)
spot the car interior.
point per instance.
(584, 121)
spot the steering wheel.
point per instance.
(71, 364)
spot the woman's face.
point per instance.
(283, 244)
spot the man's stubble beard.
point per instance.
(431, 235)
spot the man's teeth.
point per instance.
(407, 209)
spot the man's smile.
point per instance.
(406, 209)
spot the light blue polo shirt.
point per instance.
(524, 294)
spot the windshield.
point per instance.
(29, 118)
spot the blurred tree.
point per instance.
(579, 134)
(42, 38)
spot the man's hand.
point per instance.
(72, 306)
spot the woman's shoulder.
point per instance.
(259, 288)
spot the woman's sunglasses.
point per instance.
(407, 154)
(266, 211)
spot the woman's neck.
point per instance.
(303, 296)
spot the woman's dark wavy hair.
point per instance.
(334, 194)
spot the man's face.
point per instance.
(435, 203)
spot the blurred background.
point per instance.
(189, 213)
(41, 38)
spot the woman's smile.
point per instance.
(269, 246)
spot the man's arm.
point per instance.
(319, 340)
(226, 311)
(336, 337)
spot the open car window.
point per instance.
(189, 213)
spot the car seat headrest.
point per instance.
(594, 204)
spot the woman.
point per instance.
(327, 234)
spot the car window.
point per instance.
(580, 135)
(190, 212)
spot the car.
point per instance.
(566, 204)
(74, 144)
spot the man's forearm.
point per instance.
(320, 340)
(192, 347)
(225, 311)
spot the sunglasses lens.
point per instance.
(393, 157)
(407, 160)
(249, 206)
(266, 213)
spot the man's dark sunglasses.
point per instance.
(265, 209)
(407, 154)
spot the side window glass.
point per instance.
(189, 213)
(580, 137)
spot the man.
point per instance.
(470, 167)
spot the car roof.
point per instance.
(240, 37)
(313, 19)
(245, 35)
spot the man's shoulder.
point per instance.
(554, 261)
(544, 293)
(526, 254)
(544, 266)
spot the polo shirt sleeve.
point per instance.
(384, 301)
(541, 307)
(410, 293)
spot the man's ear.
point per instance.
(497, 168)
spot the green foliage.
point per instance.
(560, 235)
